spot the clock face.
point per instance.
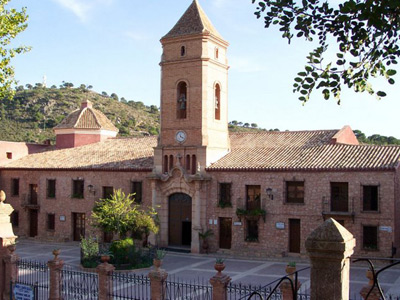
(180, 136)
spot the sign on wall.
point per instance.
(280, 225)
(23, 292)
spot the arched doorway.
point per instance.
(180, 220)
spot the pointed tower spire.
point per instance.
(193, 21)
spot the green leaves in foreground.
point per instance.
(366, 34)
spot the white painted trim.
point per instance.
(87, 131)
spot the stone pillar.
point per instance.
(158, 285)
(55, 266)
(286, 287)
(8, 259)
(104, 271)
(330, 247)
(374, 294)
(220, 283)
(195, 248)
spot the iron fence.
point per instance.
(129, 286)
(78, 285)
(193, 290)
(35, 274)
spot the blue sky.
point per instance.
(114, 46)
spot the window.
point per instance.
(187, 164)
(217, 99)
(183, 51)
(194, 162)
(137, 190)
(77, 188)
(224, 194)
(51, 188)
(108, 192)
(15, 187)
(9, 155)
(370, 198)
(165, 166)
(181, 106)
(171, 162)
(253, 199)
(370, 237)
(252, 231)
(340, 196)
(216, 53)
(15, 218)
(295, 191)
(51, 221)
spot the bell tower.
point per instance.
(194, 95)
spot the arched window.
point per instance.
(187, 164)
(171, 162)
(183, 51)
(181, 104)
(165, 167)
(193, 164)
(217, 99)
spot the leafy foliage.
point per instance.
(120, 214)
(12, 23)
(376, 139)
(33, 112)
(366, 32)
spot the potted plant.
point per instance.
(105, 255)
(204, 237)
(158, 256)
(56, 253)
(291, 268)
(219, 265)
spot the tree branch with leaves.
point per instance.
(366, 33)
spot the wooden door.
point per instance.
(33, 222)
(294, 235)
(225, 233)
(78, 226)
(33, 192)
(180, 220)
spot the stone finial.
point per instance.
(2, 196)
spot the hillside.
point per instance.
(34, 111)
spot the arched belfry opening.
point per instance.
(217, 100)
(179, 220)
(181, 105)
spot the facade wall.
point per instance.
(18, 150)
(75, 140)
(275, 242)
(63, 204)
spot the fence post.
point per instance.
(220, 283)
(286, 287)
(55, 266)
(330, 247)
(374, 295)
(158, 284)
(8, 259)
(104, 271)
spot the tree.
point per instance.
(12, 23)
(366, 32)
(120, 214)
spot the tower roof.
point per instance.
(86, 118)
(193, 21)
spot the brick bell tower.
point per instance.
(194, 95)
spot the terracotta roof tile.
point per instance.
(115, 154)
(193, 21)
(86, 118)
(303, 150)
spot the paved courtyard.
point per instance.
(188, 267)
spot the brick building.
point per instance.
(261, 193)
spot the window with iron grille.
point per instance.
(51, 221)
(225, 195)
(295, 191)
(253, 197)
(51, 188)
(370, 198)
(370, 237)
(340, 196)
(15, 187)
(77, 188)
(108, 192)
(137, 190)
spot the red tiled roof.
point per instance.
(303, 150)
(112, 154)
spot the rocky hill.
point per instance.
(34, 111)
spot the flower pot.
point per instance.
(219, 267)
(56, 253)
(105, 258)
(157, 263)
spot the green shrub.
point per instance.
(122, 251)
